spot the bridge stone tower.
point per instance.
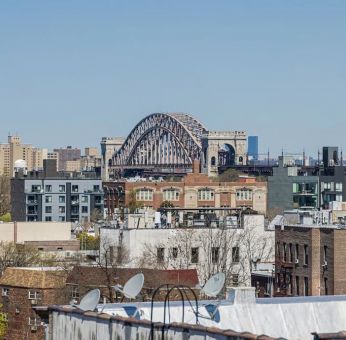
(109, 145)
(224, 148)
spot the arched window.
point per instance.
(144, 194)
(213, 161)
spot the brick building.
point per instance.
(194, 190)
(310, 259)
(24, 289)
(84, 278)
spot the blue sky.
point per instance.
(74, 71)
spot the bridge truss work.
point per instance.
(161, 140)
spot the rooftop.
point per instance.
(241, 312)
(40, 277)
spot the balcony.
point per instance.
(31, 202)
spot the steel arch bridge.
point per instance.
(161, 140)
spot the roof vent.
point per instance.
(241, 295)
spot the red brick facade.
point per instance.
(193, 191)
(20, 297)
(319, 266)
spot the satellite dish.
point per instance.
(89, 301)
(132, 287)
(214, 285)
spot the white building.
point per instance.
(234, 250)
(239, 316)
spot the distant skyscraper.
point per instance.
(252, 148)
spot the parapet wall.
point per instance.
(69, 323)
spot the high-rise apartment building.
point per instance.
(67, 154)
(15, 150)
(252, 148)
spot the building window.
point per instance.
(34, 321)
(290, 253)
(75, 292)
(215, 254)
(284, 248)
(278, 252)
(84, 199)
(306, 255)
(61, 199)
(144, 195)
(96, 188)
(74, 188)
(235, 280)
(244, 194)
(160, 254)
(338, 186)
(338, 198)
(213, 161)
(235, 254)
(174, 252)
(290, 284)
(325, 286)
(205, 195)
(48, 209)
(48, 188)
(297, 286)
(48, 199)
(34, 295)
(5, 291)
(61, 188)
(194, 254)
(297, 254)
(62, 210)
(48, 218)
(84, 209)
(306, 286)
(171, 195)
(36, 188)
(325, 249)
(61, 218)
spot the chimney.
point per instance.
(196, 166)
(49, 166)
(241, 295)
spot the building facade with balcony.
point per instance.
(293, 187)
(48, 197)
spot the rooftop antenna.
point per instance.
(304, 157)
(89, 301)
(341, 159)
(131, 290)
(212, 288)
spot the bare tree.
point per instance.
(233, 252)
(5, 195)
(111, 258)
(19, 255)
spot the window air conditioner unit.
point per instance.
(33, 328)
(325, 264)
(34, 302)
(296, 261)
